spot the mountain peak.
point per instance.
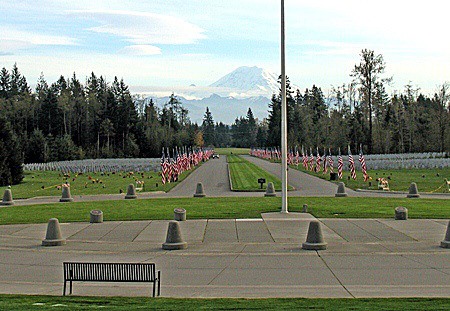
(249, 79)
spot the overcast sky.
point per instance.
(175, 43)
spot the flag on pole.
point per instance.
(351, 164)
(311, 160)
(340, 164)
(330, 161)
(318, 161)
(325, 162)
(163, 169)
(363, 164)
(304, 159)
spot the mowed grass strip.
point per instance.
(245, 175)
(229, 151)
(224, 208)
(22, 302)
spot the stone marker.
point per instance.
(131, 192)
(53, 236)
(341, 190)
(413, 192)
(174, 240)
(66, 197)
(446, 242)
(7, 198)
(199, 193)
(305, 208)
(401, 213)
(270, 190)
(314, 240)
(179, 214)
(96, 216)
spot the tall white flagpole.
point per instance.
(284, 203)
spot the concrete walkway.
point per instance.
(240, 258)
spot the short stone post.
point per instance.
(413, 192)
(53, 236)
(96, 216)
(199, 192)
(174, 240)
(66, 197)
(401, 213)
(314, 239)
(179, 214)
(446, 242)
(341, 190)
(305, 208)
(131, 192)
(270, 190)
(7, 198)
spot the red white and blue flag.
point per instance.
(340, 164)
(363, 165)
(351, 164)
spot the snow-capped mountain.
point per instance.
(251, 80)
(228, 98)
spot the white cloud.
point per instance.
(141, 50)
(12, 39)
(144, 28)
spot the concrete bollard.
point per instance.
(174, 240)
(53, 236)
(413, 192)
(446, 242)
(66, 197)
(131, 192)
(305, 208)
(314, 239)
(341, 190)
(7, 198)
(270, 190)
(179, 214)
(96, 216)
(401, 213)
(199, 192)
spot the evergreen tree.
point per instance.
(208, 128)
(11, 170)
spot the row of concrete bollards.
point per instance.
(175, 241)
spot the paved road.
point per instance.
(240, 258)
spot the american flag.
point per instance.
(325, 162)
(363, 165)
(311, 160)
(318, 161)
(297, 157)
(304, 159)
(163, 171)
(330, 161)
(340, 164)
(351, 164)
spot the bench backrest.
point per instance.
(109, 272)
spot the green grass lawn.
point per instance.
(224, 208)
(245, 175)
(45, 183)
(427, 180)
(16, 302)
(228, 151)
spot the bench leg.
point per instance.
(159, 283)
(64, 290)
(71, 287)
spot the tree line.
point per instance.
(69, 119)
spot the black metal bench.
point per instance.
(111, 272)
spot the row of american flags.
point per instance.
(317, 162)
(182, 159)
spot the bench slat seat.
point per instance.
(111, 272)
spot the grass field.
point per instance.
(245, 175)
(46, 183)
(224, 208)
(427, 180)
(14, 303)
(228, 151)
